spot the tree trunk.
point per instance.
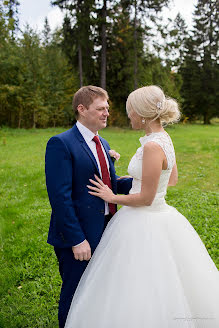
(135, 49)
(80, 65)
(13, 119)
(34, 119)
(103, 50)
(20, 119)
(206, 118)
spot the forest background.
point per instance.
(118, 45)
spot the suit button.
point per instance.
(62, 236)
(101, 211)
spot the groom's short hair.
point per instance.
(86, 95)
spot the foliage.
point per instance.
(30, 281)
(78, 36)
(36, 83)
(174, 35)
(200, 71)
(112, 43)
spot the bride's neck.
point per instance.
(153, 127)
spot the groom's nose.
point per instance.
(106, 112)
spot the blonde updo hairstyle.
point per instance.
(151, 103)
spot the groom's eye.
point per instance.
(102, 109)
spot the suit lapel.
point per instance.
(90, 154)
(85, 147)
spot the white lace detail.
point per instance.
(135, 165)
(164, 141)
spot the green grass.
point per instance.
(30, 281)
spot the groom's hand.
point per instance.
(82, 252)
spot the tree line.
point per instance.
(118, 45)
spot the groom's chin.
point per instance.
(104, 124)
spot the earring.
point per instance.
(143, 121)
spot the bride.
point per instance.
(150, 269)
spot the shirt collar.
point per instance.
(86, 133)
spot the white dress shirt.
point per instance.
(88, 136)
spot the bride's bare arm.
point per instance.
(153, 159)
(173, 177)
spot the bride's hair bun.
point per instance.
(151, 103)
(170, 112)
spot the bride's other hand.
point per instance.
(101, 190)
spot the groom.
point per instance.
(78, 219)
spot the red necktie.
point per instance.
(104, 170)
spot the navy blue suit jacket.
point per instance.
(76, 215)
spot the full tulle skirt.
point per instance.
(150, 270)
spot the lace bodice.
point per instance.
(135, 165)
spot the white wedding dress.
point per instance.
(150, 269)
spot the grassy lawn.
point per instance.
(29, 277)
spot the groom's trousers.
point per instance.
(71, 271)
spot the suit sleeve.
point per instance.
(123, 185)
(58, 168)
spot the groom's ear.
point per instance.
(81, 109)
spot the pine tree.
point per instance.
(77, 32)
(58, 83)
(174, 35)
(191, 86)
(103, 45)
(145, 12)
(120, 62)
(11, 10)
(31, 76)
(10, 104)
(200, 68)
(46, 33)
